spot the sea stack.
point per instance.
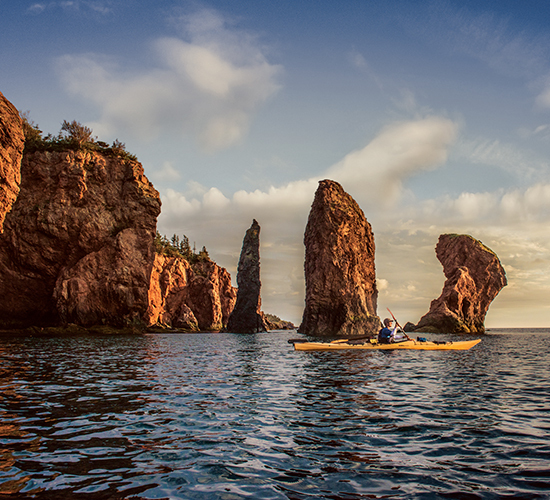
(341, 294)
(247, 316)
(474, 275)
(12, 141)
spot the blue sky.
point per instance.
(433, 115)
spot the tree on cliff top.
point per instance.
(76, 132)
(179, 248)
(73, 135)
(33, 134)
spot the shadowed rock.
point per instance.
(341, 294)
(474, 278)
(12, 142)
(196, 297)
(247, 316)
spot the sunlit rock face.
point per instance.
(12, 142)
(247, 316)
(474, 275)
(341, 293)
(196, 297)
(78, 244)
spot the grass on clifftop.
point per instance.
(73, 135)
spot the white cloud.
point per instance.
(377, 171)
(80, 6)
(166, 174)
(539, 132)
(382, 284)
(176, 205)
(470, 206)
(293, 196)
(541, 129)
(37, 8)
(208, 87)
(531, 204)
(214, 200)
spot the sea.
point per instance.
(228, 416)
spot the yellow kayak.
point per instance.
(422, 345)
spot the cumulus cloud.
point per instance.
(531, 204)
(208, 86)
(514, 208)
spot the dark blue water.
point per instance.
(234, 416)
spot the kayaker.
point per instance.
(389, 333)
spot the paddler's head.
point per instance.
(388, 322)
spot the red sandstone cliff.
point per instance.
(78, 244)
(474, 278)
(11, 151)
(189, 297)
(341, 294)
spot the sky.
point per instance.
(433, 115)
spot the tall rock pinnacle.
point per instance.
(247, 316)
(341, 294)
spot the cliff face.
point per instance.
(193, 298)
(341, 294)
(12, 142)
(78, 243)
(474, 278)
(247, 316)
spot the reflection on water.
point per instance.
(234, 416)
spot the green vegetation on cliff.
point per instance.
(73, 135)
(179, 248)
